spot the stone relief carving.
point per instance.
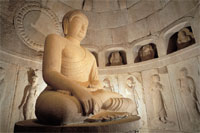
(31, 22)
(30, 94)
(188, 94)
(131, 90)
(185, 38)
(130, 86)
(107, 85)
(160, 113)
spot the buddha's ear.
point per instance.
(65, 26)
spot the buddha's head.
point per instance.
(75, 24)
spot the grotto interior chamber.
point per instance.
(145, 50)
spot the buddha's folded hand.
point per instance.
(86, 100)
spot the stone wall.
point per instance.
(114, 25)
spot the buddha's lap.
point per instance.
(62, 101)
(53, 102)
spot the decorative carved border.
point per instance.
(18, 23)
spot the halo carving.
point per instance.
(33, 23)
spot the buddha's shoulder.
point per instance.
(54, 37)
(89, 53)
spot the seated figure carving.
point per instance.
(185, 38)
(74, 92)
(116, 59)
(147, 52)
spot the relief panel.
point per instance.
(184, 77)
(33, 24)
(160, 105)
(109, 82)
(29, 86)
(131, 87)
(8, 74)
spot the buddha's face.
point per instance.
(77, 27)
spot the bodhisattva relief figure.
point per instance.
(146, 52)
(30, 95)
(185, 38)
(2, 83)
(116, 59)
(107, 85)
(189, 96)
(131, 90)
(160, 114)
(74, 91)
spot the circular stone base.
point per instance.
(128, 124)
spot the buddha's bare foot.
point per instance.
(107, 116)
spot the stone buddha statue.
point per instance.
(74, 92)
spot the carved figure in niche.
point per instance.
(158, 101)
(30, 93)
(185, 38)
(74, 91)
(189, 96)
(107, 85)
(131, 90)
(116, 59)
(134, 91)
(147, 52)
(2, 82)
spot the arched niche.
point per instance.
(169, 31)
(116, 58)
(145, 52)
(181, 39)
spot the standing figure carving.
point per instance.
(159, 105)
(131, 90)
(185, 38)
(74, 91)
(189, 96)
(30, 93)
(107, 84)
